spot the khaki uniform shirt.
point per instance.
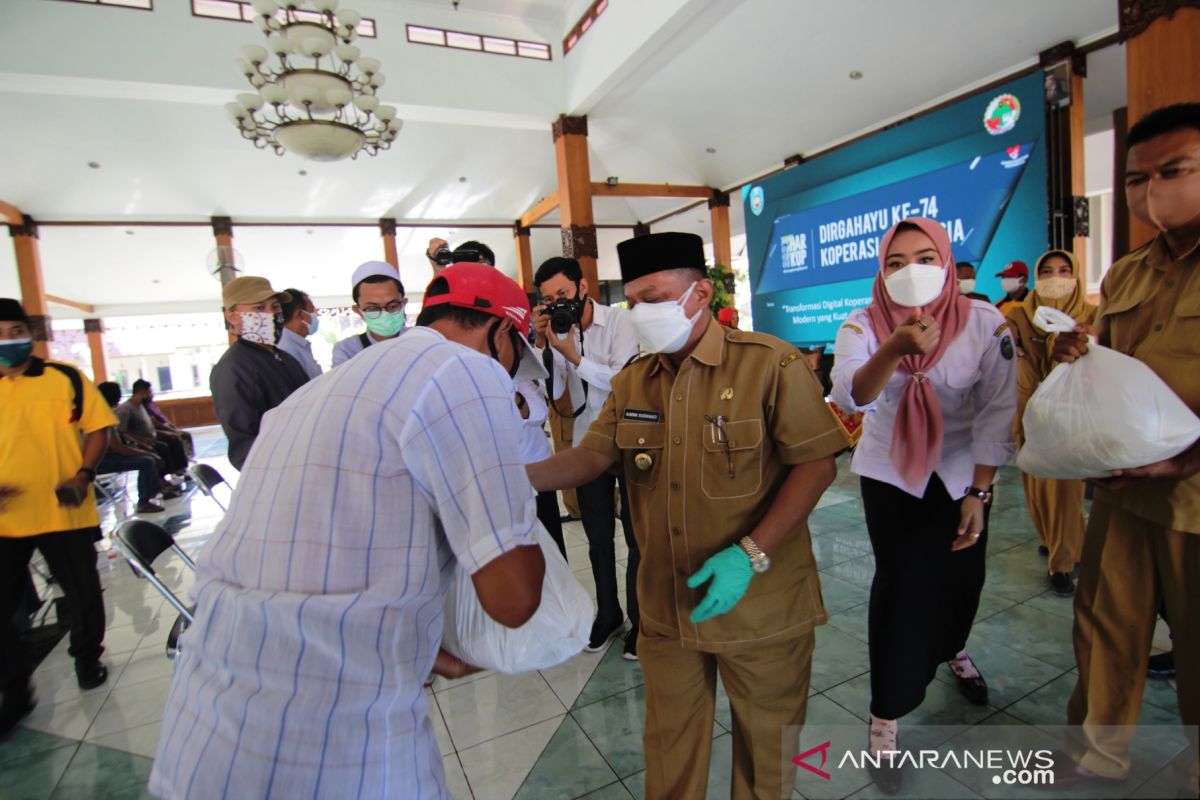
(1150, 309)
(685, 504)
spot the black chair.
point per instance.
(208, 479)
(142, 542)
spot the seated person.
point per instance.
(137, 426)
(163, 427)
(124, 457)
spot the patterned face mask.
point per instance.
(259, 327)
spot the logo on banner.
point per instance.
(757, 200)
(1015, 158)
(1002, 114)
(794, 254)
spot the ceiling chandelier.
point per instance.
(318, 98)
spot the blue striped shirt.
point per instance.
(320, 594)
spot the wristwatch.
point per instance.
(91, 473)
(758, 559)
(983, 494)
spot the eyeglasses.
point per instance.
(375, 312)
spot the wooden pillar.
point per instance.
(524, 256)
(1065, 127)
(1120, 219)
(387, 229)
(94, 328)
(33, 290)
(223, 233)
(718, 208)
(575, 196)
(1162, 62)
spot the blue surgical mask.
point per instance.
(314, 322)
(15, 352)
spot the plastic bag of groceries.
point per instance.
(1104, 411)
(558, 630)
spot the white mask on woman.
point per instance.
(1055, 288)
(915, 285)
(663, 327)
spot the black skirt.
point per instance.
(923, 597)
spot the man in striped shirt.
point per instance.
(319, 597)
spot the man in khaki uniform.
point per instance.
(727, 445)
(1143, 538)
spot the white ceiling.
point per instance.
(758, 80)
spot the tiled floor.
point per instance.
(574, 730)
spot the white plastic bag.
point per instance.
(558, 630)
(1104, 411)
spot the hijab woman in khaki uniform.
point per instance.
(1056, 507)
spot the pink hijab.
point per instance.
(917, 436)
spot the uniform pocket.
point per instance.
(742, 456)
(641, 445)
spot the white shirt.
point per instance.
(320, 594)
(299, 348)
(975, 383)
(535, 445)
(351, 346)
(607, 346)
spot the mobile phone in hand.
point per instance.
(70, 496)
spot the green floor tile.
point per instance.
(35, 777)
(24, 743)
(570, 766)
(612, 675)
(95, 772)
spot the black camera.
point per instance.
(444, 256)
(564, 314)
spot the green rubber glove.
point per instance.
(730, 572)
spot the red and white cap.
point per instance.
(483, 288)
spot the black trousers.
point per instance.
(170, 450)
(596, 508)
(551, 519)
(924, 596)
(71, 557)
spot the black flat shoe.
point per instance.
(974, 689)
(1061, 584)
(1162, 666)
(888, 778)
(91, 675)
(602, 634)
(1043, 550)
(630, 653)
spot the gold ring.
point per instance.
(922, 325)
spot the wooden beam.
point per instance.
(575, 196)
(95, 336)
(650, 190)
(718, 208)
(524, 257)
(11, 214)
(387, 230)
(62, 301)
(33, 291)
(539, 209)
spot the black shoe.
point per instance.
(602, 634)
(974, 689)
(1061, 584)
(91, 675)
(887, 777)
(18, 702)
(630, 653)
(1043, 550)
(1162, 666)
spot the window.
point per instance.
(164, 379)
(145, 5)
(240, 11)
(583, 25)
(496, 45)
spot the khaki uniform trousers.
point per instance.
(767, 686)
(1056, 508)
(1129, 563)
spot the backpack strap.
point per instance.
(76, 384)
(366, 340)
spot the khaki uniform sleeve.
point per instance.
(96, 415)
(601, 437)
(798, 419)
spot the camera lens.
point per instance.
(443, 256)
(561, 319)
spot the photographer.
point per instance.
(441, 256)
(589, 343)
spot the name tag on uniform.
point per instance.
(642, 416)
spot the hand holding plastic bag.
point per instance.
(1105, 411)
(557, 631)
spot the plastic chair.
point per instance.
(208, 479)
(142, 542)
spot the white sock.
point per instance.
(883, 734)
(963, 666)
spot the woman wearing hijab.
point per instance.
(934, 373)
(1056, 507)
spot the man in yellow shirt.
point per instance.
(53, 433)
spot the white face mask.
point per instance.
(1010, 285)
(258, 327)
(915, 285)
(966, 285)
(663, 327)
(1055, 288)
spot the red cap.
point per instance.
(483, 288)
(1015, 269)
